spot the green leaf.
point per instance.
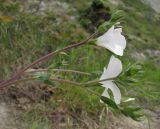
(109, 102)
(132, 112)
(117, 16)
(105, 26)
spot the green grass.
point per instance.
(150, 86)
(142, 23)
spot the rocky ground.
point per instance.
(9, 119)
(155, 4)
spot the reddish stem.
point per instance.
(45, 58)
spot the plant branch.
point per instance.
(44, 58)
(17, 81)
(53, 79)
(66, 81)
(97, 81)
(58, 70)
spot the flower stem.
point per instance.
(44, 58)
(18, 81)
(96, 81)
(58, 70)
(66, 81)
(54, 79)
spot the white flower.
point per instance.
(113, 70)
(113, 40)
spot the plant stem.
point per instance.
(44, 58)
(58, 70)
(66, 81)
(17, 81)
(53, 79)
(97, 81)
(75, 84)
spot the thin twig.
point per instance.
(97, 81)
(58, 70)
(44, 58)
(18, 81)
(66, 81)
(53, 79)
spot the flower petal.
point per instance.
(113, 70)
(105, 93)
(113, 40)
(120, 37)
(115, 90)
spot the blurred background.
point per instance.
(32, 28)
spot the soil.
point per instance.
(17, 100)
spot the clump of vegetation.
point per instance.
(95, 15)
(25, 36)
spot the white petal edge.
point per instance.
(105, 94)
(113, 70)
(113, 40)
(115, 90)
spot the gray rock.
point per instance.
(155, 4)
